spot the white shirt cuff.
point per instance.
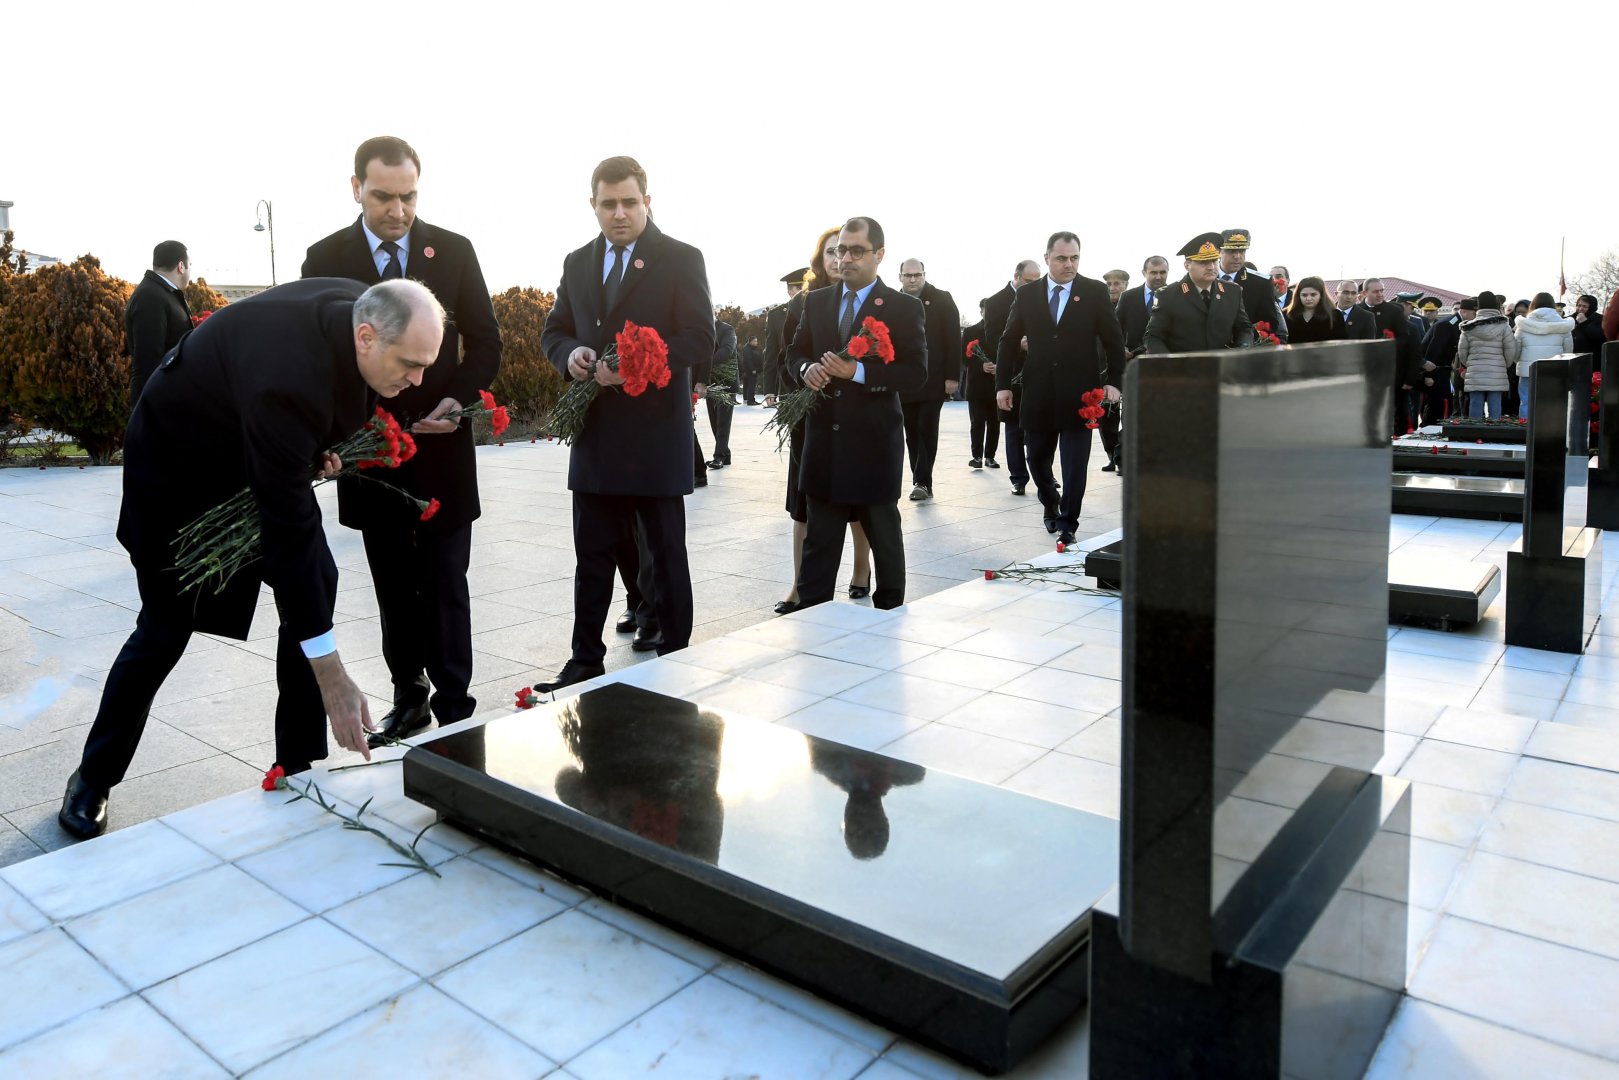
(316, 647)
(860, 372)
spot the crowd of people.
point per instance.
(393, 308)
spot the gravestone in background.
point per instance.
(1259, 928)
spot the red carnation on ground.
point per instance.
(989, 575)
(526, 698)
(275, 778)
(433, 506)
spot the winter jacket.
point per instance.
(1588, 336)
(1542, 333)
(1487, 350)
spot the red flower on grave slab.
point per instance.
(1061, 547)
(989, 575)
(274, 779)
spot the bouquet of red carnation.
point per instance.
(1263, 331)
(499, 419)
(638, 353)
(200, 318)
(791, 409)
(219, 543)
(1596, 408)
(1091, 410)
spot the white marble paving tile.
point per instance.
(1516, 656)
(845, 617)
(715, 1029)
(1575, 745)
(972, 754)
(567, 982)
(1439, 669)
(728, 655)
(1079, 634)
(214, 912)
(1099, 741)
(966, 668)
(1598, 666)
(106, 870)
(1517, 680)
(18, 917)
(423, 1032)
(1102, 661)
(839, 1021)
(1466, 768)
(817, 674)
(1553, 905)
(126, 1040)
(260, 1001)
(1484, 729)
(741, 696)
(1449, 646)
(1556, 838)
(1085, 692)
(794, 635)
(1447, 815)
(248, 821)
(670, 941)
(927, 699)
(526, 873)
(46, 979)
(1037, 723)
(665, 676)
(1566, 787)
(860, 726)
(1534, 987)
(927, 631)
(1434, 870)
(873, 650)
(1426, 1040)
(1073, 781)
(1586, 708)
(490, 907)
(1528, 705)
(329, 867)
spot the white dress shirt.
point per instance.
(607, 260)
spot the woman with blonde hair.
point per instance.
(823, 272)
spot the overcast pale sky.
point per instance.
(970, 131)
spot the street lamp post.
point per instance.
(266, 219)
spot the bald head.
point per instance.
(398, 330)
(912, 276)
(389, 308)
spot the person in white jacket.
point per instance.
(1541, 333)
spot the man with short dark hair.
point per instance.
(775, 341)
(1074, 347)
(157, 314)
(1394, 322)
(753, 363)
(1258, 294)
(1281, 279)
(1440, 350)
(1359, 324)
(996, 310)
(1133, 309)
(419, 569)
(253, 399)
(854, 442)
(921, 407)
(630, 468)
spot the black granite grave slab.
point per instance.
(954, 912)
(1428, 592)
(1261, 909)
(1602, 512)
(1487, 498)
(1463, 431)
(1460, 461)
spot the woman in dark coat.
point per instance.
(1311, 316)
(1588, 335)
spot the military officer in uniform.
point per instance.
(1258, 293)
(1199, 312)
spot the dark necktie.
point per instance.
(1056, 302)
(846, 323)
(394, 269)
(615, 278)
(1205, 294)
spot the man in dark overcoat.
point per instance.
(157, 314)
(996, 309)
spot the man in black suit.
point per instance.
(1394, 323)
(854, 442)
(921, 406)
(996, 309)
(982, 416)
(419, 569)
(630, 467)
(1359, 324)
(1200, 312)
(719, 416)
(1134, 309)
(774, 380)
(252, 399)
(753, 364)
(157, 314)
(1074, 343)
(1258, 293)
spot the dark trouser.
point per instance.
(719, 420)
(750, 385)
(1074, 447)
(985, 421)
(601, 523)
(1437, 402)
(699, 460)
(1017, 466)
(823, 550)
(420, 577)
(922, 438)
(162, 630)
(1407, 409)
(1109, 427)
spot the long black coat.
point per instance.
(1361, 325)
(1179, 324)
(250, 399)
(1259, 301)
(1065, 358)
(1310, 331)
(1392, 321)
(997, 308)
(155, 319)
(854, 442)
(980, 383)
(943, 321)
(770, 381)
(444, 467)
(1133, 315)
(635, 445)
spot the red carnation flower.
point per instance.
(429, 510)
(526, 698)
(989, 575)
(878, 331)
(1262, 327)
(971, 345)
(1389, 334)
(858, 347)
(275, 778)
(643, 358)
(407, 447)
(488, 400)
(500, 420)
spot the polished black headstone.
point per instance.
(1454, 460)
(1487, 498)
(1260, 926)
(1465, 429)
(1603, 509)
(1554, 573)
(954, 912)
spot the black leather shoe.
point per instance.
(1051, 519)
(991, 463)
(699, 481)
(646, 641)
(1017, 489)
(975, 463)
(1109, 467)
(860, 592)
(401, 722)
(626, 622)
(717, 464)
(574, 671)
(84, 809)
(1066, 538)
(786, 607)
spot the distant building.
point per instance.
(237, 292)
(1393, 285)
